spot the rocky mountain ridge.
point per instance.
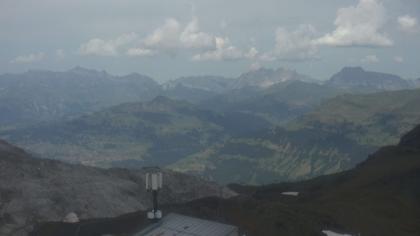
(36, 96)
(34, 190)
(358, 79)
(39, 95)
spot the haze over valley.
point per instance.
(270, 125)
(257, 118)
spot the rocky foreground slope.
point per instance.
(34, 190)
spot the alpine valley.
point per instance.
(265, 126)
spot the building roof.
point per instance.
(180, 225)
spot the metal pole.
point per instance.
(155, 201)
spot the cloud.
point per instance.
(252, 53)
(223, 51)
(296, 45)
(60, 53)
(25, 59)
(408, 24)
(101, 47)
(399, 59)
(371, 59)
(172, 35)
(140, 52)
(359, 25)
(356, 26)
(192, 37)
(255, 66)
(267, 56)
(166, 36)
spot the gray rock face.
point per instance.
(356, 78)
(35, 190)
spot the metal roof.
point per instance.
(180, 225)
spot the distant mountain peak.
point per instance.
(362, 80)
(161, 99)
(81, 69)
(137, 76)
(264, 71)
(266, 77)
(207, 83)
(352, 69)
(86, 72)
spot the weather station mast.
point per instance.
(154, 179)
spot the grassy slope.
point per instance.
(374, 119)
(274, 156)
(159, 132)
(125, 132)
(330, 139)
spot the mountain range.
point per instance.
(271, 125)
(265, 78)
(213, 84)
(37, 96)
(278, 104)
(189, 139)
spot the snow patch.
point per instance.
(71, 218)
(295, 194)
(331, 233)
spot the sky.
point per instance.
(167, 39)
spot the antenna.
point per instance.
(154, 180)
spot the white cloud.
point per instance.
(296, 45)
(371, 59)
(267, 56)
(251, 54)
(359, 25)
(408, 24)
(255, 66)
(30, 58)
(140, 52)
(166, 36)
(60, 53)
(223, 51)
(192, 37)
(399, 59)
(101, 47)
(172, 35)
